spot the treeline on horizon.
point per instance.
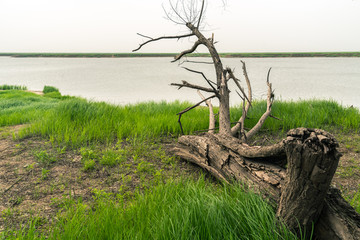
(229, 55)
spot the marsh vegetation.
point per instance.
(68, 164)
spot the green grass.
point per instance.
(354, 201)
(19, 107)
(175, 210)
(324, 114)
(77, 122)
(12, 87)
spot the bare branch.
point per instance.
(207, 80)
(189, 85)
(242, 98)
(201, 13)
(188, 109)
(269, 102)
(236, 80)
(246, 105)
(211, 113)
(184, 11)
(160, 38)
(170, 18)
(194, 106)
(191, 50)
(144, 36)
(200, 62)
(275, 117)
(175, 9)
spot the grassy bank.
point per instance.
(233, 55)
(75, 121)
(105, 174)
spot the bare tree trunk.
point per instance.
(300, 191)
(312, 161)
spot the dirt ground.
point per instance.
(31, 188)
(37, 179)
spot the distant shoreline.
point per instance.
(225, 55)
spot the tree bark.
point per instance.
(300, 192)
(312, 161)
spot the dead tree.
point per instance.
(294, 174)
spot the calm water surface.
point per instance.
(131, 80)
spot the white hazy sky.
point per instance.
(243, 26)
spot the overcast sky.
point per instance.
(242, 26)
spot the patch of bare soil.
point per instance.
(37, 179)
(28, 187)
(347, 176)
(36, 92)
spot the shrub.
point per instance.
(49, 89)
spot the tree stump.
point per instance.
(312, 161)
(294, 175)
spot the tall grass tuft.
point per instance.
(49, 89)
(175, 210)
(12, 87)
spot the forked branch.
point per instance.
(269, 102)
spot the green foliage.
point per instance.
(89, 157)
(44, 173)
(89, 164)
(44, 157)
(50, 89)
(88, 153)
(112, 157)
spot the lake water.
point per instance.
(131, 80)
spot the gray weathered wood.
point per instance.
(311, 156)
